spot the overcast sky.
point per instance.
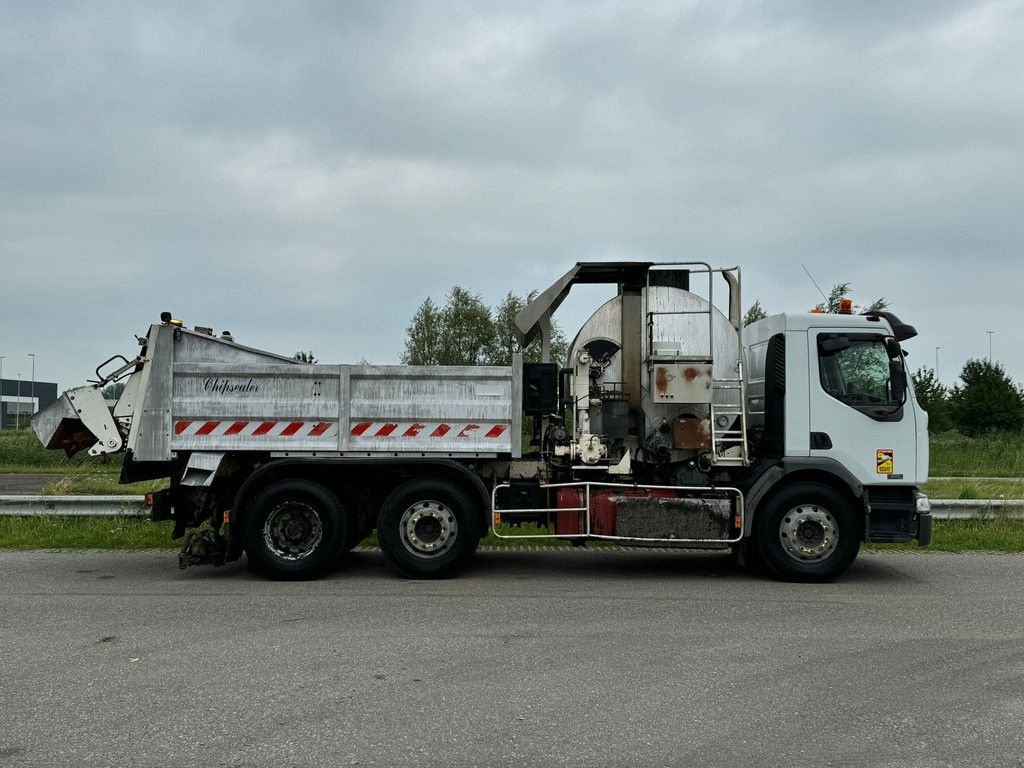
(305, 174)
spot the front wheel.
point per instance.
(427, 529)
(808, 532)
(294, 529)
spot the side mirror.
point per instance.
(897, 380)
(893, 348)
(833, 344)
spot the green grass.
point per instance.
(84, 533)
(99, 485)
(953, 455)
(21, 452)
(974, 489)
(999, 535)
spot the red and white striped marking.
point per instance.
(269, 429)
(436, 430)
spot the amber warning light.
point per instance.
(846, 306)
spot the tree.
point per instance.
(829, 306)
(755, 313)
(933, 397)
(459, 333)
(507, 342)
(839, 291)
(466, 332)
(988, 401)
(305, 357)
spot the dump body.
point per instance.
(196, 392)
(201, 393)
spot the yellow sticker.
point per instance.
(884, 461)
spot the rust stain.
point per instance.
(661, 380)
(691, 433)
(691, 373)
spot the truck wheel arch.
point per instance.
(799, 470)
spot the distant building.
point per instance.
(19, 399)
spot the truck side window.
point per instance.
(856, 370)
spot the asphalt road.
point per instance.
(24, 484)
(574, 658)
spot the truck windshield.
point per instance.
(856, 369)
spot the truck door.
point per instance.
(859, 409)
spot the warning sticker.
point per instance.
(884, 461)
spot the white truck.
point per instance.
(789, 441)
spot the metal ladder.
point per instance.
(723, 438)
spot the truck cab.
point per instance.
(829, 397)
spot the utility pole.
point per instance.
(32, 390)
(990, 346)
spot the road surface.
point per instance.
(24, 485)
(576, 658)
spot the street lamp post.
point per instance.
(17, 407)
(990, 346)
(2, 412)
(937, 362)
(32, 388)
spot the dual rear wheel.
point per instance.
(297, 529)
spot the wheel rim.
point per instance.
(293, 530)
(428, 528)
(808, 533)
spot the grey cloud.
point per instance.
(305, 174)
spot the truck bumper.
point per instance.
(897, 516)
(924, 529)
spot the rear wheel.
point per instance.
(427, 529)
(294, 529)
(808, 532)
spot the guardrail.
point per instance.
(135, 506)
(73, 506)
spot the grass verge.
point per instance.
(22, 453)
(974, 489)
(99, 485)
(999, 535)
(953, 455)
(84, 533)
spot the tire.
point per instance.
(428, 529)
(294, 529)
(807, 532)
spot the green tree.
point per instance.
(755, 313)
(459, 333)
(423, 336)
(829, 306)
(466, 332)
(987, 401)
(305, 357)
(934, 398)
(506, 341)
(842, 290)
